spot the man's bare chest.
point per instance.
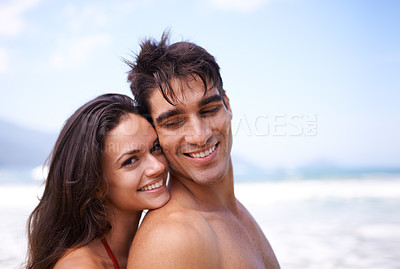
(239, 243)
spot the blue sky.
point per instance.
(309, 80)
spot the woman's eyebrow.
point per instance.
(130, 152)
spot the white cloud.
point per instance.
(129, 6)
(80, 17)
(238, 5)
(12, 21)
(100, 14)
(79, 51)
(3, 60)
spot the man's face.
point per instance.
(195, 133)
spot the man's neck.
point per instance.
(216, 196)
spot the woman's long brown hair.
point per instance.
(71, 212)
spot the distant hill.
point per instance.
(245, 170)
(22, 146)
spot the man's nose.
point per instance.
(197, 131)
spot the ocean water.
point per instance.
(329, 223)
(336, 223)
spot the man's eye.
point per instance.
(210, 111)
(173, 123)
(129, 162)
(156, 148)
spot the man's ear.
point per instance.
(227, 104)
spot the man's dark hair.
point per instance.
(159, 62)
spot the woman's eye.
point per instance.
(129, 162)
(155, 148)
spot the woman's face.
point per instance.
(134, 166)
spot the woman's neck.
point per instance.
(124, 227)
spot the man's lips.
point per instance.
(202, 154)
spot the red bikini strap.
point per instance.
(108, 249)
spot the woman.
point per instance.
(105, 168)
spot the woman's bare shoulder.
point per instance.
(79, 258)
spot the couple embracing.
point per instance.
(111, 161)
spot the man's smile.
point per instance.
(202, 154)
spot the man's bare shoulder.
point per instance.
(171, 212)
(173, 237)
(172, 222)
(80, 258)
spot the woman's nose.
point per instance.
(155, 167)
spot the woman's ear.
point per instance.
(101, 190)
(99, 194)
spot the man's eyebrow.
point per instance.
(167, 114)
(210, 99)
(130, 152)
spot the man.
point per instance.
(203, 225)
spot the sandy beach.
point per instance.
(310, 223)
